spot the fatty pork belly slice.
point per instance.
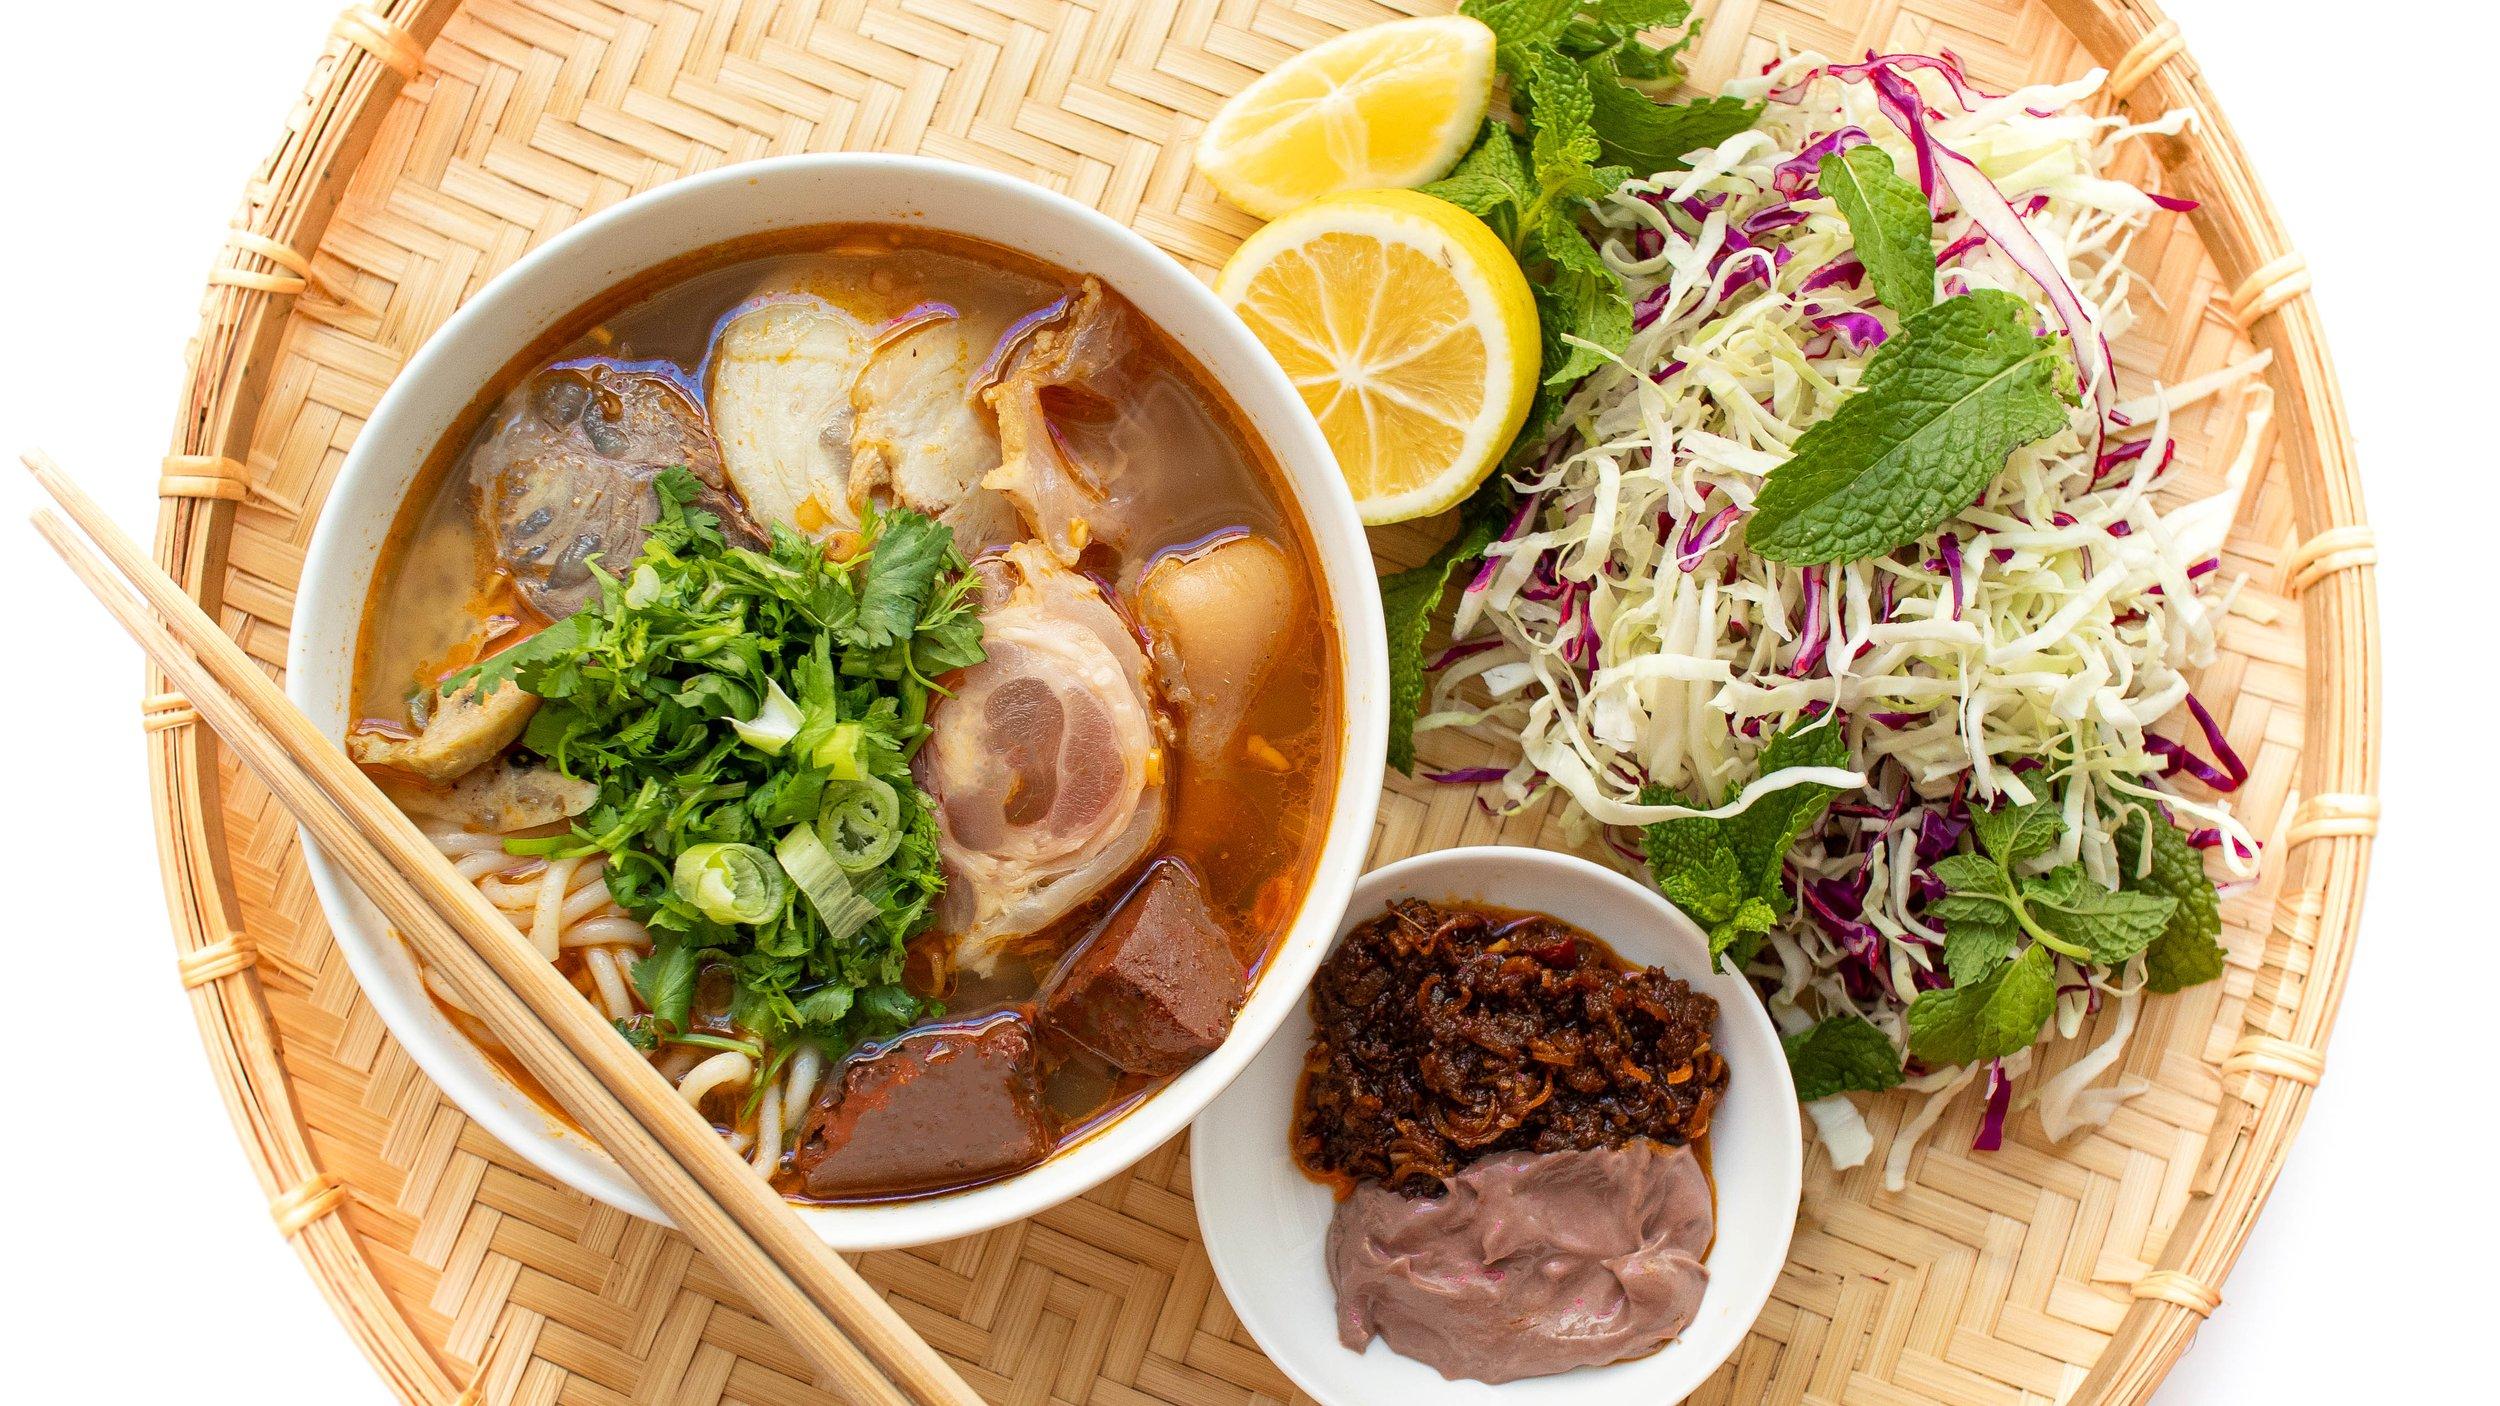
(563, 474)
(918, 437)
(1046, 764)
(783, 372)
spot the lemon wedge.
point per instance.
(1410, 332)
(1394, 104)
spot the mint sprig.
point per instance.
(1988, 911)
(1725, 874)
(1942, 404)
(1407, 601)
(2188, 952)
(1581, 75)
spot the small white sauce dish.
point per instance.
(1266, 1224)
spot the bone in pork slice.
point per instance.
(502, 797)
(462, 734)
(936, 1107)
(564, 474)
(1057, 496)
(1219, 619)
(1154, 989)
(1045, 762)
(783, 373)
(918, 436)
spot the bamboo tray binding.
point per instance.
(438, 140)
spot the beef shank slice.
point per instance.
(563, 473)
(1155, 987)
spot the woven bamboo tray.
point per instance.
(438, 140)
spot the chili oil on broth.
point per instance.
(1188, 471)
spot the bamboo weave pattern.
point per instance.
(442, 140)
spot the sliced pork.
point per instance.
(460, 734)
(783, 372)
(1046, 764)
(919, 437)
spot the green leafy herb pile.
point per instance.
(748, 718)
(1584, 84)
(1583, 81)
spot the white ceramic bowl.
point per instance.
(1266, 1224)
(607, 249)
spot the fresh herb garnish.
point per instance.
(2188, 952)
(1580, 75)
(1890, 230)
(1989, 909)
(1944, 400)
(1407, 601)
(1841, 1054)
(674, 692)
(1725, 874)
(1986, 1019)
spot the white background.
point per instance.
(141, 1264)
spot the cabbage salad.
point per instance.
(1843, 594)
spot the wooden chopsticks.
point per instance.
(864, 1347)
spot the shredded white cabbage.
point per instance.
(1626, 636)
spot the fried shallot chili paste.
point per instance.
(1449, 1033)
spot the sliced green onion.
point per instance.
(729, 883)
(839, 752)
(811, 866)
(773, 725)
(643, 587)
(861, 823)
(706, 1040)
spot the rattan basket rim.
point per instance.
(374, 49)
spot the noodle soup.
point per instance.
(885, 677)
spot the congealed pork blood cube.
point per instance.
(936, 1107)
(1155, 987)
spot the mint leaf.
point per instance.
(2011, 834)
(1726, 874)
(2188, 952)
(1634, 130)
(1633, 16)
(1407, 601)
(1581, 299)
(1943, 402)
(1490, 182)
(1764, 832)
(1839, 1054)
(1990, 1019)
(2112, 924)
(1888, 222)
(1521, 27)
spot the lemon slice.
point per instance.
(1410, 332)
(1391, 105)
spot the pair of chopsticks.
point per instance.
(711, 1193)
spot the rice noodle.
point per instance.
(768, 1131)
(727, 1069)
